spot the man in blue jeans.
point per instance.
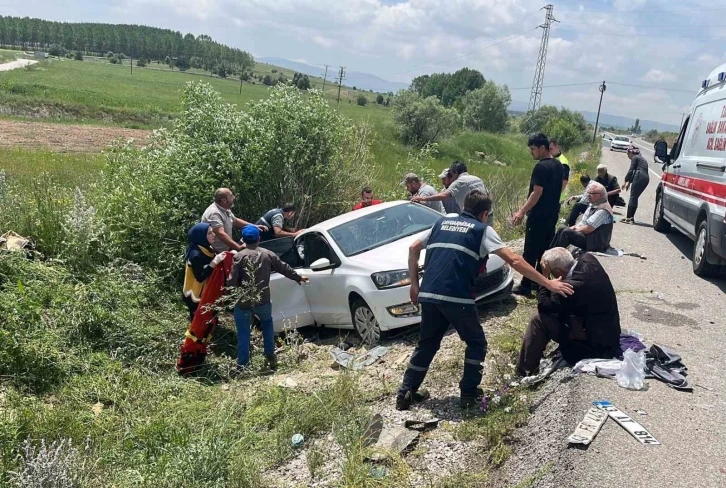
(251, 270)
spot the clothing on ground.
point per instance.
(265, 263)
(463, 185)
(585, 324)
(216, 217)
(427, 191)
(243, 321)
(628, 341)
(361, 205)
(435, 321)
(666, 365)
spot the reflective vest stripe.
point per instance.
(444, 298)
(456, 247)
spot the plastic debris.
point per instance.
(421, 425)
(373, 431)
(632, 373)
(288, 383)
(393, 440)
(641, 412)
(297, 440)
(378, 472)
(546, 373)
(349, 361)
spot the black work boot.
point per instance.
(271, 362)
(403, 402)
(469, 401)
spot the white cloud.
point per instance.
(658, 76)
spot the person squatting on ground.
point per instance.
(274, 221)
(416, 187)
(366, 199)
(200, 260)
(456, 247)
(585, 324)
(219, 215)
(595, 230)
(636, 181)
(542, 208)
(264, 263)
(582, 201)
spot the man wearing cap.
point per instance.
(449, 203)
(462, 183)
(220, 218)
(252, 269)
(416, 187)
(611, 185)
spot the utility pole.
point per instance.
(341, 77)
(132, 65)
(325, 77)
(536, 97)
(602, 89)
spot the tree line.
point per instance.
(136, 41)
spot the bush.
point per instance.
(569, 132)
(274, 71)
(379, 99)
(423, 120)
(56, 50)
(78, 56)
(485, 109)
(114, 60)
(267, 80)
(362, 100)
(318, 158)
(141, 63)
(109, 55)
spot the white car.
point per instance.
(358, 269)
(620, 143)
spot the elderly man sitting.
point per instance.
(594, 231)
(585, 324)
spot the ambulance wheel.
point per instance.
(660, 224)
(701, 250)
(365, 323)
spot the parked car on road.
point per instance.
(358, 269)
(692, 193)
(620, 143)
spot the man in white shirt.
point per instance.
(461, 185)
(416, 187)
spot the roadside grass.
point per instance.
(23, 166)
(8, 55)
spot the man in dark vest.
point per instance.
(611, 185)
(455, 250)
(274, 220)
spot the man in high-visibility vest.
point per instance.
(557, 153)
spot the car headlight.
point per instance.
(391, 279)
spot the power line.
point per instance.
(653, 87)
(670, 26)
(588, 83)
(622, 12)
(605, 34)
(556, 86)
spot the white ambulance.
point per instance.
(692, 193)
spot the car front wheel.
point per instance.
(365, 322)
(701, 266)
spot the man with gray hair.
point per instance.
(595, 230)
(585, 324)
(416, 187)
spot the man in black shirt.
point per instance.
(542, 207)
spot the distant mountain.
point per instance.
(609, 120)
(364, 81)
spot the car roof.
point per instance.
(354, 214)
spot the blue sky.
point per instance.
(663, 46)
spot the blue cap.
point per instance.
(251, 234)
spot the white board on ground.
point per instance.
(627, 423)
(588, 428)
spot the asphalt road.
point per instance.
(662, 299)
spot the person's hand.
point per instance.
(414, 293)
(262, 228)
(570, 200)
(518, 218)
(298, 232)
(217, 259)
(418, 199)
(560, 287)
(545, 269)
(303, 279)
(234, 253)
(626, 186)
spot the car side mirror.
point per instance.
(321, 265)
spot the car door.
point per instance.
(290, 307)
(677, 199)
(326, 290)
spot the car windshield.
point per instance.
(382, 227)
(621, 138)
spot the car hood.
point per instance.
(394, 256)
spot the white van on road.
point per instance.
(692, 193)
